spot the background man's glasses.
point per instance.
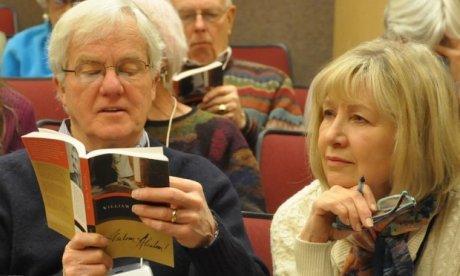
(386, 207)
(128, 70)
(66, 2)
(209, 16)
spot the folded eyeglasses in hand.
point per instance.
(392, 205)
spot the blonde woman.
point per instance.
(383, 113)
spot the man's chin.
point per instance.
(202, 54)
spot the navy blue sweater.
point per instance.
(29, 247)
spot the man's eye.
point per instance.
(90, 71)
(129, 69)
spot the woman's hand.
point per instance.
(188, 220)
(450, 48)
(349, 205)
(84, 255)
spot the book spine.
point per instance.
(89, 207)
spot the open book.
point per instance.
(191, 85)
(91, 192)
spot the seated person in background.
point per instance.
(2, 44)
(25, 53)
(193, 130)
(106, 77)
(17, 117)
(384, 111)
(254, 96)
(435, 23)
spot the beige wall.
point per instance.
(356, 21)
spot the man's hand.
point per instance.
(224, 100)
(84, 255)
(188, 219)
(450, 48)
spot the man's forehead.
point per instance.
(198, 4)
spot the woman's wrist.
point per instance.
(316, 230)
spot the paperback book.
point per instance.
(91, 192)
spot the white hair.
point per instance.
(423, 21)
(92, 20)
(166, 20)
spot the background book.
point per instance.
(191, 85)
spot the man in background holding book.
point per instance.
(106, 78)
(254, 96)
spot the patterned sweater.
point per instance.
(219, 140)
(267, 97)
(19, 119)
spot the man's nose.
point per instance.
(199, 23)
(111, 84)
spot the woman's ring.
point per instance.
(174, 216)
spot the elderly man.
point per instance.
(254, 96)
(106, 77)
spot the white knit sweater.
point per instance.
(292, 256)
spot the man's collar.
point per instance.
(144, 142)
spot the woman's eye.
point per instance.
(359, 119)
(328, 113)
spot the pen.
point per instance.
(361, 184)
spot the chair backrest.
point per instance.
(8, 21)
(301, 94)
(283, 162)
(42, 94)
(258, 229)
(276, 55)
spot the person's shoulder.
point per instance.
(40, 29)
(254, 69)
(302, 200)
(14, 163)
(14, 99)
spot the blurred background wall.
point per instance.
(313, 30)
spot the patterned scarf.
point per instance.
(383, 249)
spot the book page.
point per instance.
(113, 177)
(60, 183)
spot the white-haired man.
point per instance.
(107, 77)
(254, 96)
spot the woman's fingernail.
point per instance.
(369, 223)
(135, 208)
(373, 207)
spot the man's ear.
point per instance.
(60, 91)
(154, 88)
(231, 13)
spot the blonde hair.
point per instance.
(413, 89)
(423, 21)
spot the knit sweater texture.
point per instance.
(293, 256)
(29, 247)
(26, 54)
(220, 141)
(266, 96)
(18, 119)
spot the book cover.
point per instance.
(91, 192)
(191, 85)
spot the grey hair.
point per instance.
(92, 20)
(43, 4)
(423, 21)
(166, 20)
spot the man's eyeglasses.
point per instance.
(128, 70)
(386, 207)
(209, 16)
(66, 2)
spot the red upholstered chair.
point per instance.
(8, 21)
(301, 94)
(276, 55)
(284, 167)
(258, 229)
(42, 94)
